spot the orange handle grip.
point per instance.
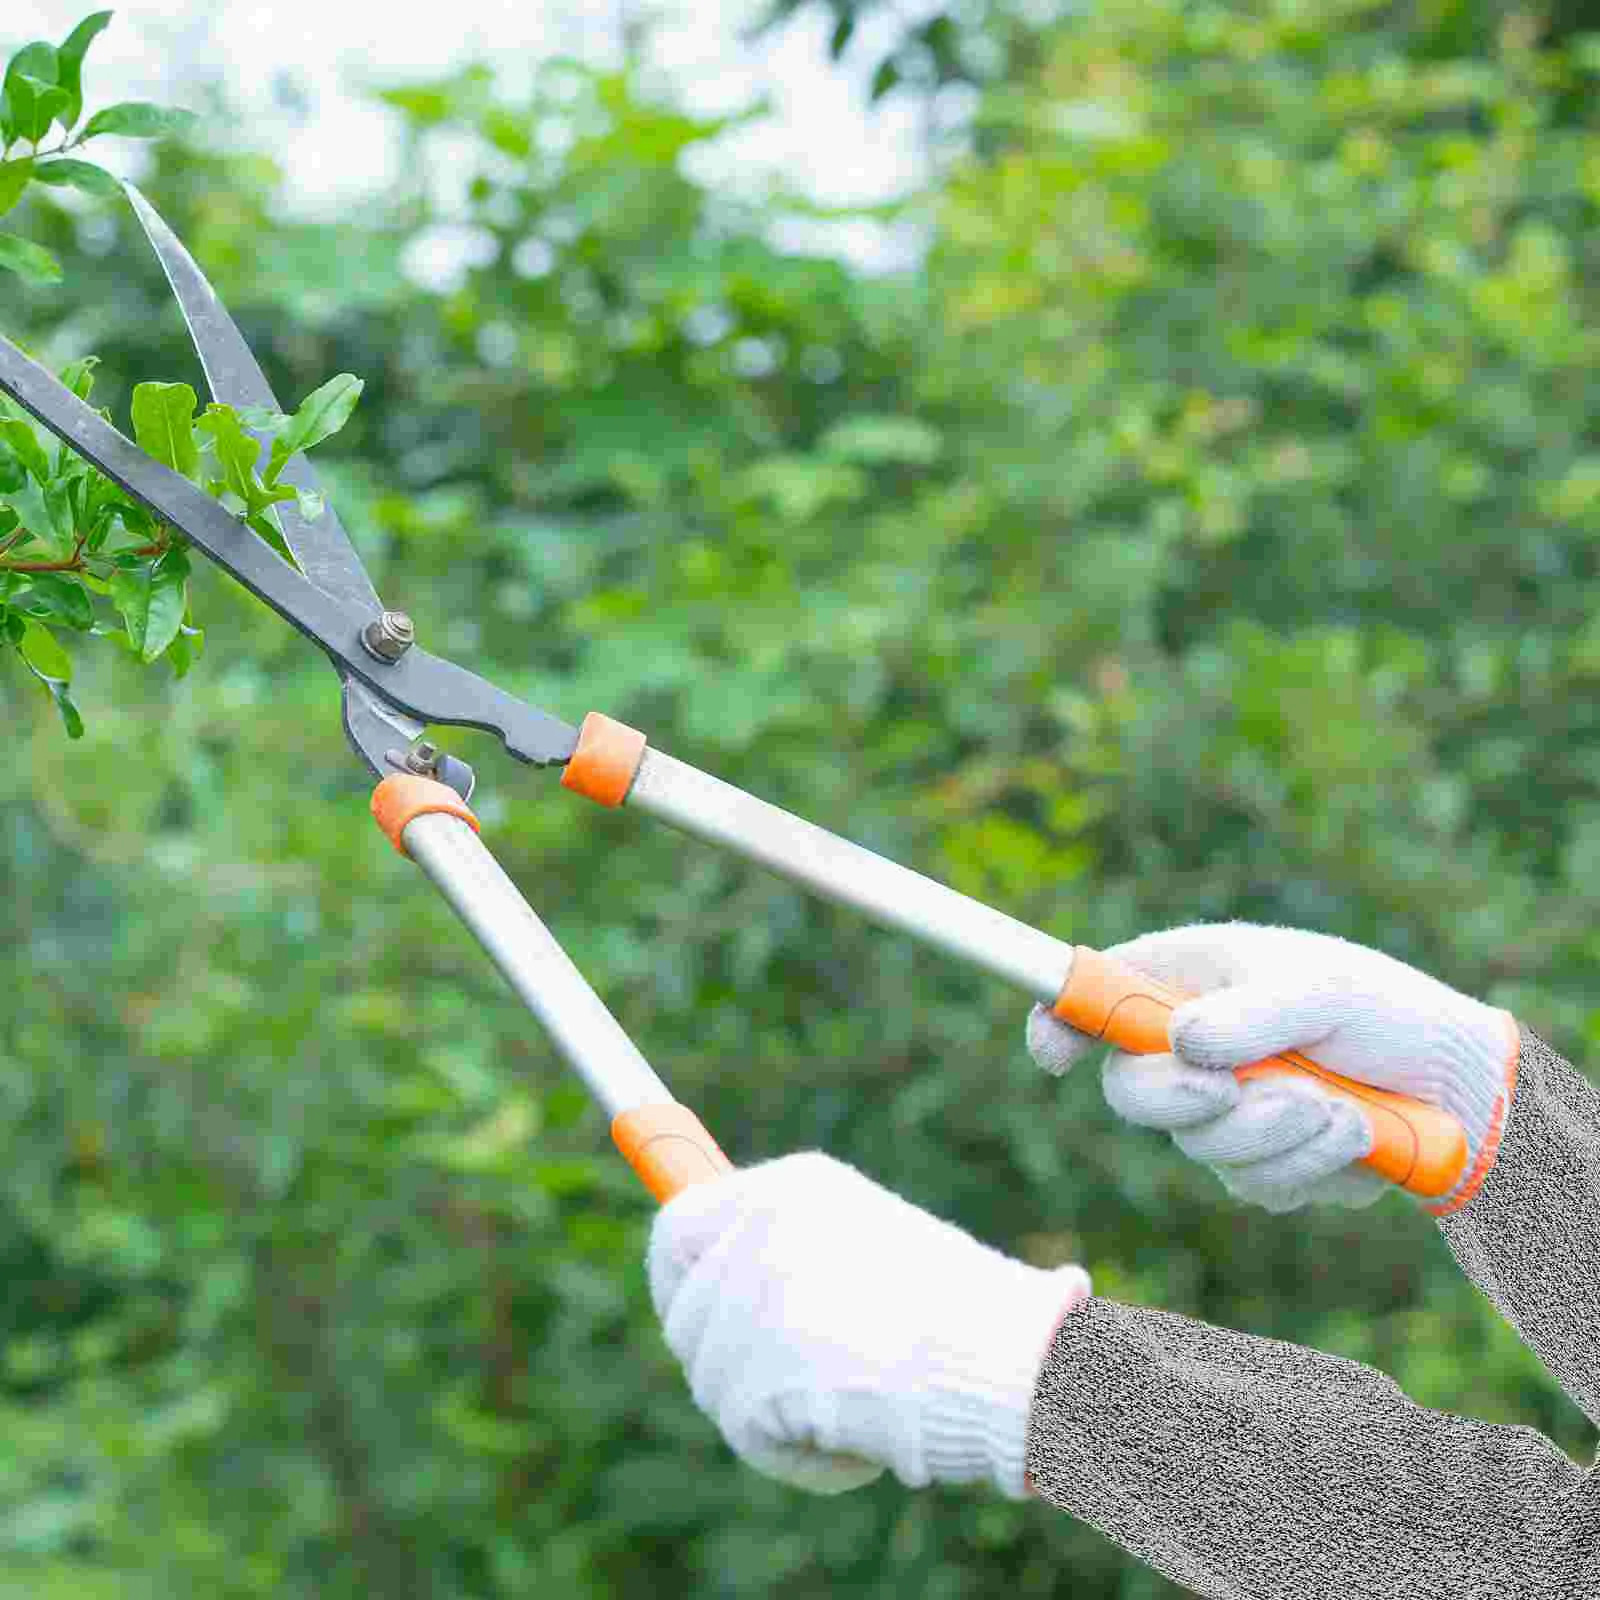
(1417, 1146)
(668, 1146)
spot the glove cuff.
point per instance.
(980, 1373)
(1482, 1102)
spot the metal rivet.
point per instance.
(389, 637)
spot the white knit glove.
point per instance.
(1281, 1143)
(832, 1329)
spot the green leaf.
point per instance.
(78, 376)
(236, 452)
(128, 524)
(268, 530)
(28, 260)
(152, 601)
(185, 649)
(54, 594)
(64, 172)
(321, 414)
(14, 177)
(508, 131)
(262, 419)
(130, 594)
(49, 103)
(58, 509)
(424, 104)
(136, 119)
(38, 61)
(163, 424)
(169, 600)
(71, 717)
(20, 438)
(101, 501)
(62, 695)
(71, 720)
(31, 73)
(178, 655)
(40, 512)
(74, 482)
(42, 651)
(69, 63)
(108, 528)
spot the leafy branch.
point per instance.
(43, 89)
(68, 534)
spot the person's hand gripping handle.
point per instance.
(1411, 1082)
(1417, 1146)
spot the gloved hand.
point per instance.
(1281, 1143)
(832, 1329)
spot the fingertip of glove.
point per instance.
(1160, 1091)
(1203, 1038)
(1054, 1045)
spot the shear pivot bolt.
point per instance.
(390, 636)
(424, 758)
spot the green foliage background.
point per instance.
(1208, 529)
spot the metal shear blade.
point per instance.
(330, 598)
(324, 553)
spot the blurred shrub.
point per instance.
(1205, 531)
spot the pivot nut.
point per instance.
(389, 637)
(423, 759)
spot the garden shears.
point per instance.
(394, 691)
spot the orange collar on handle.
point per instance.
(606, 760)
(404, 795)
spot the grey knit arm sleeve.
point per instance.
(1253, 1469)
